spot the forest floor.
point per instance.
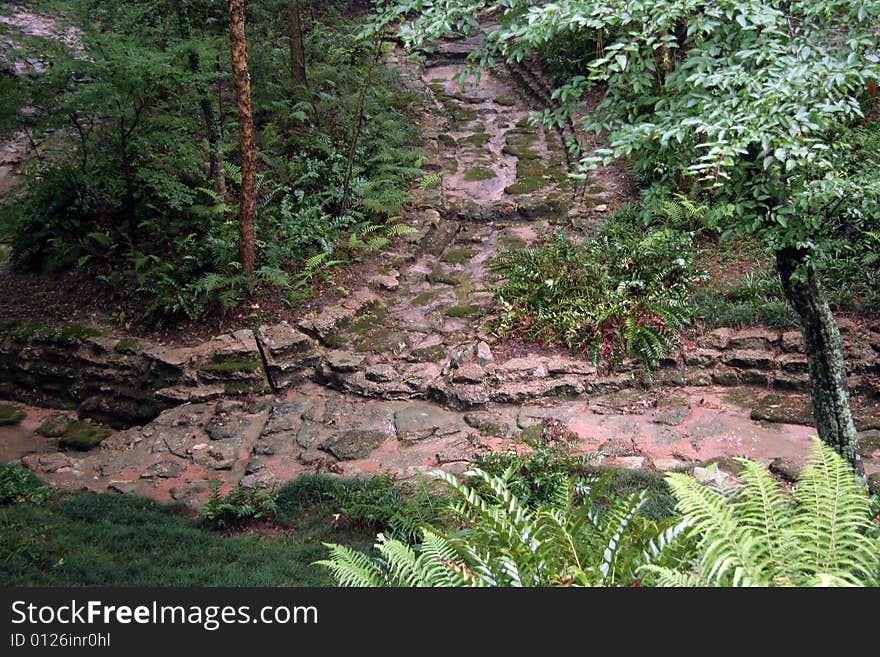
(504, 184)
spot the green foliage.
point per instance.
(536, 477)
(754, 300)
(622, 293)
(11, 414)
(86, 539)
(129, 199)
(18, 485)
(239, 507)
(83, 436)
(825, 534)
(506, 543)
(379, 503)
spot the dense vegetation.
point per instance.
(137, 174)
(762, 109)
(825, 534)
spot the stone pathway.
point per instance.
(401, 376)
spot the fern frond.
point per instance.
(351, 568)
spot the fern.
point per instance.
(504, 542)
(823, 535)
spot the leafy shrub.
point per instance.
(620, 294)
(239, 507)
(824, 534)
(18, 485)
(535, 477)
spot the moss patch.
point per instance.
(458, 255)
(792, 409)
(54, 426)
(446, 140)
(520, 145)
(231, 366)
(531, 434)
(425, 298)
(69, 333)
(478, 139)
(478, 173)
(83, 436)
(428, 354)
(437, 277)
(10, 415)
(450, 165)
(525, 186)
(504, 101)
(529, 169)
(461, 311)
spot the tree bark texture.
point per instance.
(248, 210)
(828, 386)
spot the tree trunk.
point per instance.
(297, 52)
(238, 47)
(828, 386)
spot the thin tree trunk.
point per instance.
(356, 129)
(248, 211)
(297, 52)
(828, 386)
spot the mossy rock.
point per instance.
(437, 277)
(54, 426)
(478, 173)
(382, 340)
(446, 140)
(11, 415)
(531, 434)
(525, 186)
(231, 366)
(529, 169)
(504, 101)
(130, 346)
(67, 334)
(478, 139)
(523, 123)
(428, 354)
(458, 255)
(425, 298)
(368, 323)
(783, 409)
(437, 87)
(335, 341)
(450, 165)
(461, 311)
(83, 436)
(458, 113)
